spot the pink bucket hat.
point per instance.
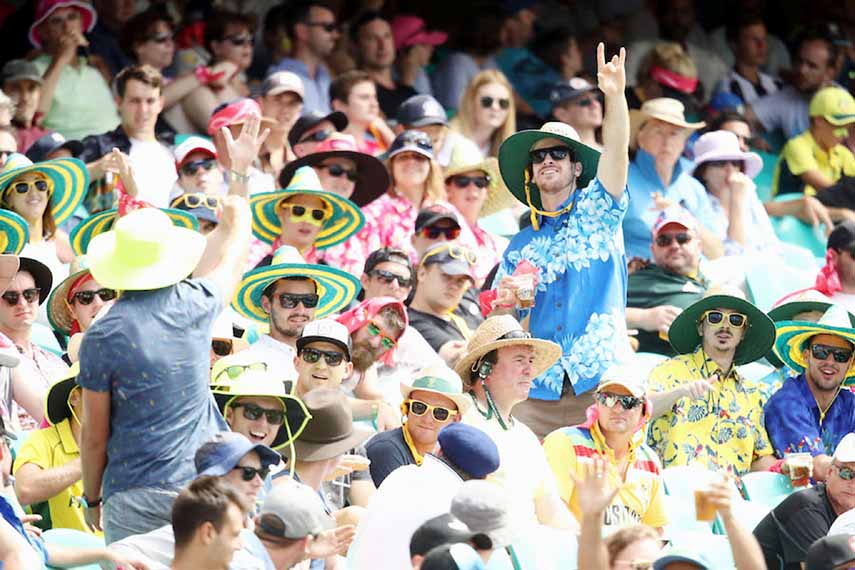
(236, 113)
(47, 7)
(410, 30)
(723, 145)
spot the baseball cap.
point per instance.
(453, 557)
(469, 448)
(18, 69)
(421, 111)
(681, 555)
(282, 82)
(46, 144)
(630, 377)
(311, 120)
(830, 552)
(429, 216)
(674, 215)
(842, 236)
(833, 104)
(221, 453)
(326, 330)
(727, 101)
(845, 450)
(452, 259)
(389, 254)
(293, 511)
(485, 508)
(191, 144)
(444, 529)
(5, 432)
(569, 90)
(411, 141)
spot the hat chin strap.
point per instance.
(534, 211)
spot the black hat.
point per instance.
(420, 111)
(51, 142)
(453, 557)
(41, 275)
(830, 552)
(309, 120)
(430, 216)
(842, 235)
(444, 529)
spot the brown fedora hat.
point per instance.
(330, 432)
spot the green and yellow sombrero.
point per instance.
(101, 222)
(14, 232)
(69, 177)
(793, 337)
(335, 288)
(346, 218)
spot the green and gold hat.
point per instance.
(101, 222)
(57, 407)
(440, 380)
(335, 288)
(345, 220)
(14, 232)
(69, 177)
(793, 336)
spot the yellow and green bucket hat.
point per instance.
(68, 176)
(101, 222)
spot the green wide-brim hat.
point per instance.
(792, 336)
(514, 159)
(69, 177)
(755, 344)
(56, 402)
(14, 232)
(101, 222)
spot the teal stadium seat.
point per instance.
(68, 538)
(766, 488)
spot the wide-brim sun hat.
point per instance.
(344, 221)
(68, 176)
(14, 232)
(723, 145)
(665, 109)
(265, 385)
(96, 224)
(57, 407)
(756, 341)
(335, 288)
(498, 332)
(514, 159)
(465, 157)
(331, 431)
(42, 275)
(440, 380)
(47, 7)
(58, 311)
(794, 335)
(144, 251)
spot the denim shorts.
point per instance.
(137, 511)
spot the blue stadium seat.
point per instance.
(766, 488)
(68, 538)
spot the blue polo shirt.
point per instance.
(581, 296)
(792, 419)
(642, 182)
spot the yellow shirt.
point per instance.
(48, 448)
(640, 499)
(802, 153)
(723, 430)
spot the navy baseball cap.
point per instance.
(421, 111)
(313, 119)
(411, 141)
(444, 529)
(569, 90)
(470, 449)
(51, 142)
(221, 454)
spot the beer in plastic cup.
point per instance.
(704, 509)
(525, 292)
(801, 468)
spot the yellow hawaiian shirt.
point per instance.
(723, 431)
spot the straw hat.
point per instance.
(97, 224)
(723, 145)
(69, 177)
(465, 158)
(665, 109)
(56, 402)
(440, 380)
(144, 251)
(14, 232)
(58, 312)
(501, 331)
(793, 335)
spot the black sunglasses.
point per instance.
(328, 27)
(317, 136)
(30, 296)
(254, 412)
(610, 400)
(87, 297)
(312, 355)
(682, 238)
(248, 473)
(504, 103)
(192, 167)
(464, 181)
(821, 352)
(337, 171)
(586, 102)
(291, 300)
(555, 153)
(388, 277)
(239, 40)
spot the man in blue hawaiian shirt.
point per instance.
(575, 243)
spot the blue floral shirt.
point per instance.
(581, 295)
(793, 421)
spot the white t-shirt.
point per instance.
(154, 171)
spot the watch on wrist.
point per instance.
(235, 176)
(90, 503)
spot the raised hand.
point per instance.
(243, 151)
(611, 76)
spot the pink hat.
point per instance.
(235, 113)
(723, 145)
(674, 215)
(410, 31)
(47, 7)
(337, 141)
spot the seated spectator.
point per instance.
(280, 99)
(354, 93)
(203, 207)
(620, 412)
(139, 91)
(76, 100)
(424, 113)
(660, 177)
(53, 145)
(434, 226)
(197, 166)
(311, 130)
(666, 71)
(787, 532)
(704, 411)
(22, 82)
(726, 173)
(8, 145)
(497, 367)
(311, 26)
(812, 162)
(286, 295)
(746, 34)
(486, 113)
(576, 103)
(414, 44)
(658, 292)
(811, 412)
(835, 552)
(837, 278)
(432, 400)
(372, 35)
(442, 530)
(323, 356)
(77, 301)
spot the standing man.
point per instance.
(574, 241)
(145, 364)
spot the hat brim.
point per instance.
(840, 120)
(462, 401)
(638, 117)
(546, 353)
(58, 314)
(514, 160)
(753, 162)
(335, 288)
(373, 177)
(14, 232)
(426, 38)
(787, 312)
(41, 275)
(793, 334)
(756, 342)
(97, 224)
(498, 198)
(177, 261)
(346, 219)
(56, 402)
(86, 9)
(663, 562)
(310, 451)
(296, 414)
(337, 118)
(70, 181)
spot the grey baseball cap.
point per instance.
(421, 111)
(293, 511)
(17, 69)
(484, 508)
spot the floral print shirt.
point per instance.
(724, 431)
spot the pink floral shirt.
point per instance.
(489, 249)
(258, 250)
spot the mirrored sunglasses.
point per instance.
(374, 330)
(87, 297)
(313, 355)
(440, 413)
(737, 320)
(610, 400)
(433, 232)
(556, 153)
(845, 473)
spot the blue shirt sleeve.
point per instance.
(790, 424)
(201, 299)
